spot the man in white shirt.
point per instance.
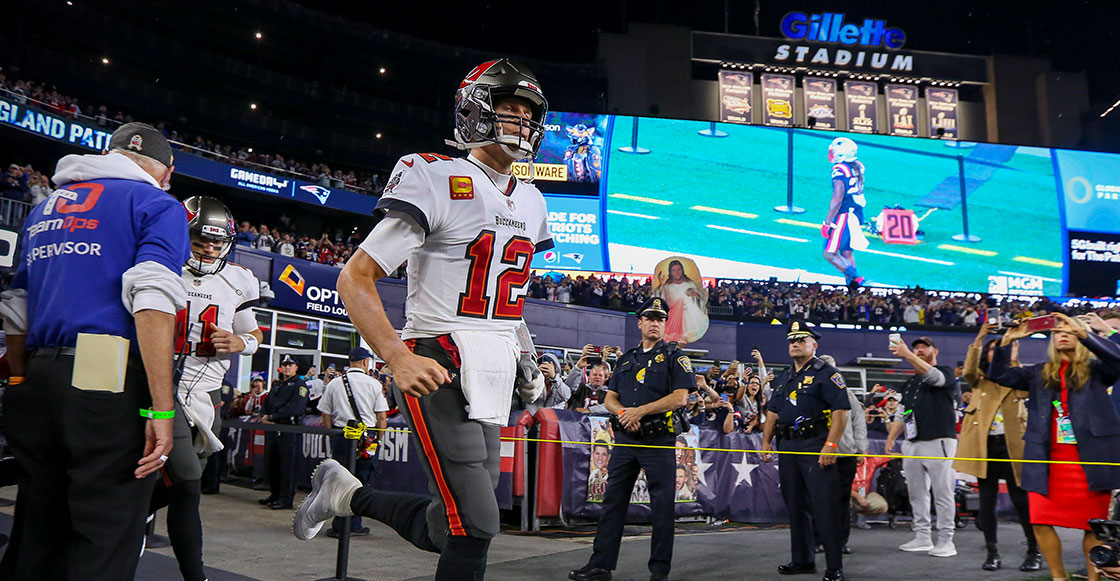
(338, 409)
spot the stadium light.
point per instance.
(259, 35)
(104, 60)
(381, 70)
(250, 150)
(378, 136)
(253, 106)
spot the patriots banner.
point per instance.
(576, 225)
(942, 104)
(863, 106)
(820, 103)
(735, 88)
(902, 109)
(777, 99)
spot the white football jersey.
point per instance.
(481, 229)
(213, 298)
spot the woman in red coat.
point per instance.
(1071, 418)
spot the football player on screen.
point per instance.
(468, 229)
(843, 226)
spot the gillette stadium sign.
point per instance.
(857, 45)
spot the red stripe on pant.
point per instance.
(453, 520)
(838, 233)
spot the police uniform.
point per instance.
(286, 404)
(642, 377)
(803, 401)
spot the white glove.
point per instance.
(530, 380)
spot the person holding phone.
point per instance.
(992, 428)
(1070, 419)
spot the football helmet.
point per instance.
(842, 149)
(476, 123)
(209, 219)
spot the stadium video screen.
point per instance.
(1032, 221)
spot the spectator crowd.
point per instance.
(49, 98)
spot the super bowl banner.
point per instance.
(307, 287)
(863, 106)
(735, 89)
(777, 98)
(820, 103)
(942, 105)
(902, 109)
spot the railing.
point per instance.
(13, 213)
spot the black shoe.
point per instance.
(658, 577)
(1082, 573)
(157, 542)
(846, 550)
(833, 575)
(267, 500)
(820, 549)
(589, 573)
(993, 561)
(797, 569)
(280, 505)
(1033, 561)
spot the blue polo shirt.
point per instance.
(78, 243)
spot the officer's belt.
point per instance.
(803, 430)
(53, 352)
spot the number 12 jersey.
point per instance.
(468, 234)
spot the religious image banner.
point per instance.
(777, 95)
(735, 96)
(820, 103)
(902, 109)
(943, 105)
(863, 110)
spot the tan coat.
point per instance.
(987, 397)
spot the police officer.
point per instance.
(286, 404)
(650, 384)
(808, 411)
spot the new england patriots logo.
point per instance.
(575, 256)
(318, 191)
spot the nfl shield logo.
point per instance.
(136, 142)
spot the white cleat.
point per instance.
(920, 543)
(332, 487)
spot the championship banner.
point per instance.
(863, 107)
(820, 103)
(735, 89)
(777, 97)
(943, 105)
(902, 103)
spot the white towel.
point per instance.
(200, 411)
(488, 369)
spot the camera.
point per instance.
(1109, 532)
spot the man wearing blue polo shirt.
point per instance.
(90, 319)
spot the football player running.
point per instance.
(845, 211)
(468, 230)
(216, 325)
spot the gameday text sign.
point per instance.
(863, 106)
(902, 109)
(820, 103)
(777, 99)
(943, 105)
(735, 91)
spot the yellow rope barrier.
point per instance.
(779, 452)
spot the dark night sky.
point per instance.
(1079, 35)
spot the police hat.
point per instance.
(143, 139)
(799, 330)
(288, 360)
(360, 354)
(654, 306)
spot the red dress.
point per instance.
(1070, 503)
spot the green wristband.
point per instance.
(154, 415)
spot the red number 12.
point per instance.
(475, 302)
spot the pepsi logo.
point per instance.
(550, 256)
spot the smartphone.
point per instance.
(593, 361)
(895, 338)
(993, 317)
(723, 396)
(596, 349)
(1042, 323)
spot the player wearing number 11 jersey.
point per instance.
(468, 230)
(216, 325)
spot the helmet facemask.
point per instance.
(210, 234)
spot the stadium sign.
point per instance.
(831, 28)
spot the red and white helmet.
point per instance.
(476, 123)
(842, 149)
